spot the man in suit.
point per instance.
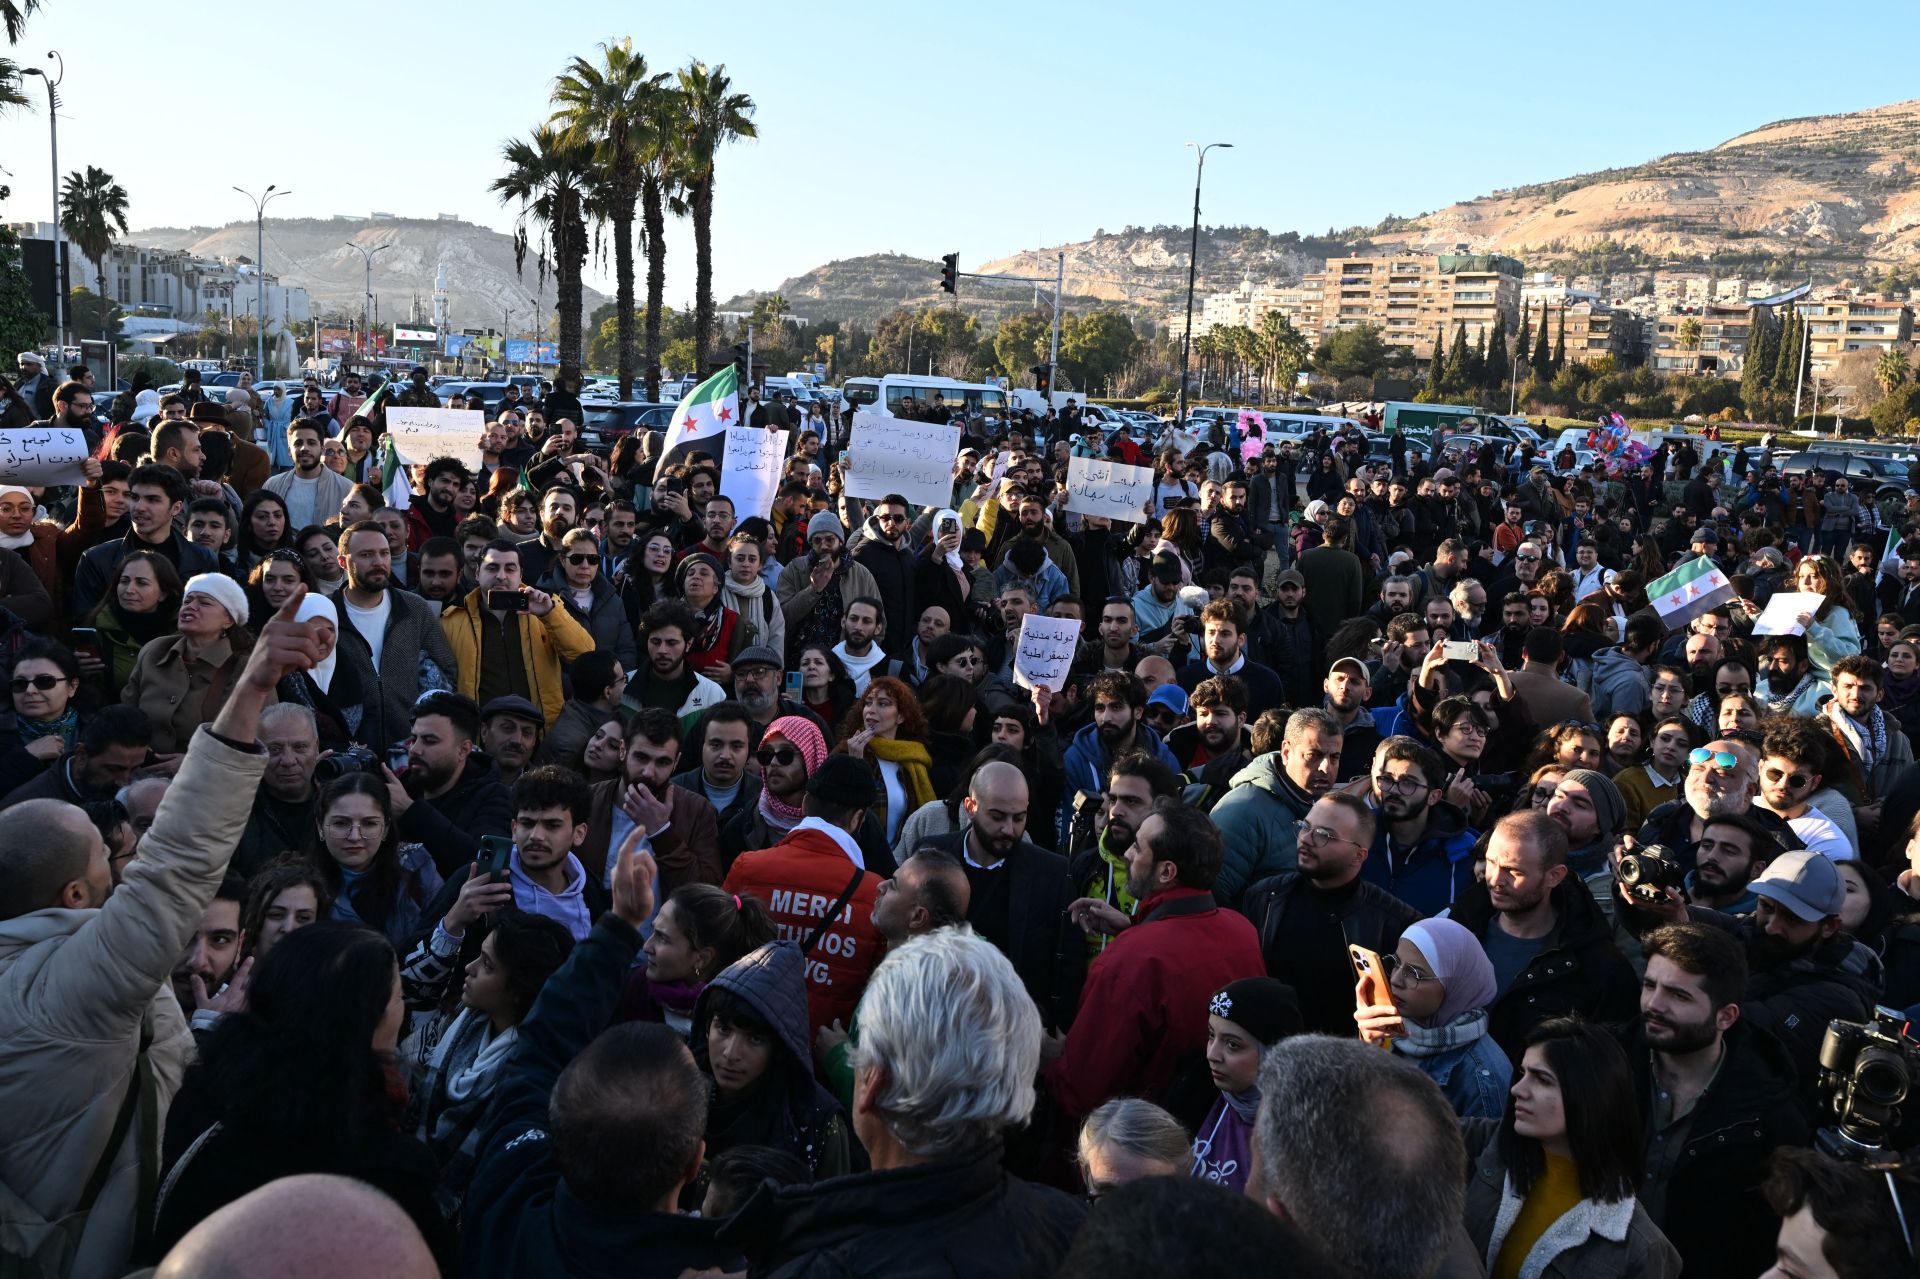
(1020, 891)
(1551, 698)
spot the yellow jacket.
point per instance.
(545, 642)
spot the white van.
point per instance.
(890, 392)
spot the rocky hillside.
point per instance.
(312, 253)
(1834, 193)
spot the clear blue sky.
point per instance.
(983, 127)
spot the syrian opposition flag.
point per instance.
(399, 489)
(1696, 587)
(700, 424)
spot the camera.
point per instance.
(354, 759)
(1650, 871)
(1866, 1071)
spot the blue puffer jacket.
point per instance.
(1087, 762)
(1440, 865)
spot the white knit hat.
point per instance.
(222, 590)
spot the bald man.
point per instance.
(1019, 891)
(141, 798)
(305, 1227)
(1155, 671)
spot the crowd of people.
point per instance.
(569, 872)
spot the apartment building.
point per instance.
(1418, 299)
(1595, 329)
(1845, 321)
(1248, 305)
(1718, 350)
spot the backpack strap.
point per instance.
(839, 904)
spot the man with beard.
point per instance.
(452, 795)
(791, 750)
(510, 733)
(1019, 891)
(814, 589)
(1875, 748)
(1223, 643)
(1791, 767)
(559, 510)
(212, 956)
(683, 831)
(1113, 648)
(1347, 687)
(757, 674)
(1422, 851)
(1550, 698)
(110, 745)
(1215, 745)
(1647, 785)
(1307, 917)
(1396, 597)
(511, 639)
(1722, 777)
(1031, 526)
(1730, 855)
(1789, 685)
(440, 572)
(1098, 869)
(1441, 619)
(883, 546)
(432, 513)
(312, 490)
(716, 524)
(155, 496)
(1469, 600)
(1258, 817)
(664, 681)
(1551, 948)
(1119, 703)
(383, 635)
(285, 817)
(1587, 806)
(722, 774)
(1143, 1013)
(860, 627)
(1407, 643)
(1717, 1099)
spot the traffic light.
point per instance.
(740, 354)
(950, 273)
(1043, 379)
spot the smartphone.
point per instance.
(1373, 975)
(1462, 651)
(795, 684)
(948, 528)
(506, 601)
(398, 759)
(85, 635)
(496, 854)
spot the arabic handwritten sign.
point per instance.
(893, 455)
(1113, 489)
(750, 469)
(1045, 652)
(420, 435)
(48, 455)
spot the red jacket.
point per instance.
(799, 879)
(1143, 1013)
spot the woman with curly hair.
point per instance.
(887, 729)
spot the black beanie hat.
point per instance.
(1263, 1007)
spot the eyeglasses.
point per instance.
(45, 683)
(1725, 761)
(776, 758)
(583, 559)
(1320, 837)
(1397, 968)
(1467, 727)
(1794, 780)
(1402, 785)
(349, 826)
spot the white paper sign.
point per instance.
(750, 469)
(44, 456)
(1777, 618)
(420, 435)
(894, 455)
(1113, 489)
(1045, 653)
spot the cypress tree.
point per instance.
(1477, 361)
(1542, 350)
(1523, 345)
(1499, 366)
(1757, 372)
(1457, 357)
(1787, 364)
(1560, 343)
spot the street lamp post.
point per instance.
(260, 274)
(53, 137)
(1193, 259)
(366, 316)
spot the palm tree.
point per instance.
(549, 177)
(92, 206)
(10, 93)
(13, 16)
(611, 109)
(1891, 370)
(711, 115)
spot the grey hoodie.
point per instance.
(1619, 684)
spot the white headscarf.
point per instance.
(319, 607)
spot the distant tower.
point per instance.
(440, 299)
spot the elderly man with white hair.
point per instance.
(949, 1047)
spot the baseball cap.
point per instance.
(1705, 536)
(1290, 577)
(1171, 696)
(1806, 884)
(1359, 667)
(1165, 567)
(758, 655)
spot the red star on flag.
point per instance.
(724, 413)
(1693, 590)
(1675, 600)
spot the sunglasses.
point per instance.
(583, 559)
(1528, 559)
(1794, 780)
(45, 683)
(1725, 761)
(776, 758)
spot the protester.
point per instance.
(1127, 1139)
(180, 681)
(1440, 983)
(1244, 1019)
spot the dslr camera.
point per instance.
(1866, 1071)
(1647, 873)
(354, 759)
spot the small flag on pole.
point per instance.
(1697, 586)
(399, 488)
(700, 423)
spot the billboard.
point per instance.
(414, 337)
(336, 341)
(521, 351)
(455, 343)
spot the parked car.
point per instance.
(606, 423)
(1880, 476)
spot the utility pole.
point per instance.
(1059, 280)
(366, 323)
(1193, 261)
(59, 238)
(260, 274)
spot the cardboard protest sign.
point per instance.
(420, 435)
(42, 456)
(1045, 653)
(1113, 489)
(895, 455)
(750, 469)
